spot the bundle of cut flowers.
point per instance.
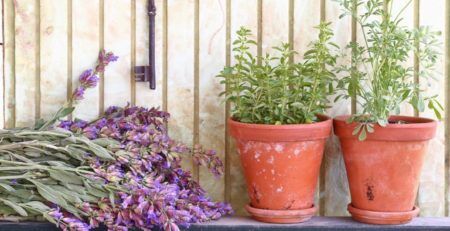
(121, 170)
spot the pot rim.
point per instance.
(281, 133)
(417, 128)
(323, 120)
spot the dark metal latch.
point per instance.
(147, 73)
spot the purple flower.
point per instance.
(78, 94)
(55, 213)
(111, 110)
(104, 59)
(65, 124)
(88, 79)
(79, 124)
(91, 132)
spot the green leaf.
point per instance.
(112, 199)
(369, 128)
(7, 187)
(362, 135)
(50, 219)
(420, 104)
(70, 196)
(39, 123)
(37, 205)
(357, 129)
(382, 122)
(65, 176)
(96, 149)
(15, 206)
(105, 142)
(64, 112)
(49, 194)
(437, 113)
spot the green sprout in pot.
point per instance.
(379, 77)
(274, 90)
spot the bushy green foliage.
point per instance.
(379, 76)
(274, 90)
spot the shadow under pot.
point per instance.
(281, 164)
(384, 170)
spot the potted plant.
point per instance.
(277, 124)
(384, 153)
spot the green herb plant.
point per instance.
(274, 90)
(379, 76)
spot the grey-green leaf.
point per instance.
(37, 205)
(15, 206)
(49, 194)
(65, 176)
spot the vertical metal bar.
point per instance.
(3, 65)
(260, 28)
(416, 19)
(164, 58)
(195, 169)
(101, 85)
(69, 51)
(8, 57)
(133, 52)
(291, 17)
(227, 106)
(354, 38)
(447, 106)
(151, 53)
(37, 104)
(322, 178)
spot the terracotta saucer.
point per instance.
(281, 216)
(382, 218)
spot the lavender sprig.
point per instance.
(88, 79)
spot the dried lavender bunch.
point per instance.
(143, 135)
(77, 184)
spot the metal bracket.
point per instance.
(147, 73)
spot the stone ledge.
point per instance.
(245, 224)
(322, 223)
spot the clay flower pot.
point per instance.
(281, 165)
(383, 171)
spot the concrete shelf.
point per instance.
(247, 224)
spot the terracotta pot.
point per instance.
(281, 165)
(383, 171)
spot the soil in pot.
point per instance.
(384, 170)
(281, 165)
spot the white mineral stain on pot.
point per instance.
(272, 171)
(247, 147)
(297, 152)
(270, 160)
(279, 148)
(280, 189)
(257, 155)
